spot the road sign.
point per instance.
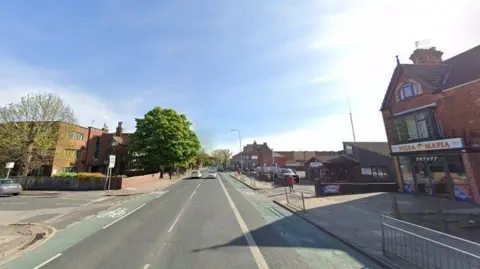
(111, 164)
(9, 165)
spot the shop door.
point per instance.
(430, 175)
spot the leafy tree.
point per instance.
(29, 130)
(164, 137)
(202, 158)
(222, 156)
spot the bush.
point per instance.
(65, 174)
(90, 175)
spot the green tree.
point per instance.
(202, 158)
(164, 137)
(222, 156)
(29, 130)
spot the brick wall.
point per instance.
(64, 142)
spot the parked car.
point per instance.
(196, 174)
(10, 187)
(284, 173)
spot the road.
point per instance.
(202, 223)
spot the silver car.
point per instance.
(196, 174)
(212, 174)
(10, 187)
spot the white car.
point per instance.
(212, 174)
(195, 174)
(9, 187)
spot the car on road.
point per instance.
(10, 187)
(196, 174)
(212, 174)
(284, 173)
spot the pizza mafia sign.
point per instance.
(452, 143)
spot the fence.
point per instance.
(427, 248)
(295, 199)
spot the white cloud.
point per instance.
(17, 80)
(363, 39)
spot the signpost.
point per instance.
(111, 164)
(9, 166)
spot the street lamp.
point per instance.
(241, 151)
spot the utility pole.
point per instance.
(351, 120)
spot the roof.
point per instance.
(324, 158)
(381, 148)
(275, 154)
(460, 69)
(342, 160)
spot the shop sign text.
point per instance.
(452, 143)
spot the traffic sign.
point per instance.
(111, 164)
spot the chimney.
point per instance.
(119, 131)
(426, 56)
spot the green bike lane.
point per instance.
(87, 228)
(285, 239)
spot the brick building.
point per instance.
(86, 149)
(431, 112)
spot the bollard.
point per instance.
(303, 201)
(286, 195)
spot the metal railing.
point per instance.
(427, 248)
(295, 199)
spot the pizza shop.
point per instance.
(433, 168)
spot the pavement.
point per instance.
(201, 223)
(356, 220)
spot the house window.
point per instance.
(70, 153)
(408, 90)
(417, 126)
(97, 148)
(76, 135)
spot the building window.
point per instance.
(97, 148)
(70, 153)
(76, 135)
(69, 169)
(408, 90)
(417, 126)
(348, 150)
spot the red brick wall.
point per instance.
(457, 109)
(281, 161)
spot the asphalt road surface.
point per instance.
(201, 223)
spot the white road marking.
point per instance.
(70, 204)
(101, 199)
(71, 224)
(146, 266)
(178, 217)
(124, 216)
(89, 217)
(257, 255)
(192, 194)
(47, 261)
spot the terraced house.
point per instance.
(431, 112)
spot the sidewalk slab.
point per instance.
(16, 239)
(145, 187)
(259, 185)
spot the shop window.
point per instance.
(417, 126)
(407, 172)
(457, 169)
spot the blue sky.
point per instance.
(278, 70)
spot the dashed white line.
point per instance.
(178, 217)
(89, 217)
(71, 224)
(124, 216)
(47, 261)
(192, 195)
(257, 255)
(146, 266)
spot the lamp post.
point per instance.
(241, 151)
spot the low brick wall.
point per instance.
(133, 181)
(66, 184)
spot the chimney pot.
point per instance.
(426, 56)
(119, 130)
